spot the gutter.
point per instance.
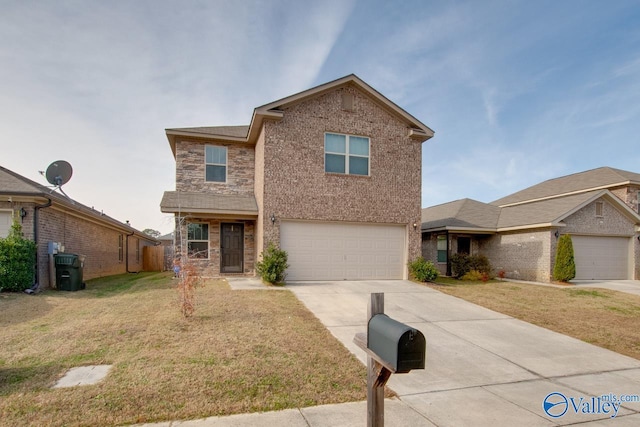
(126, 253)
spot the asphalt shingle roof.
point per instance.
(182, 201)
(600, 178)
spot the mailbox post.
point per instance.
(391, 347)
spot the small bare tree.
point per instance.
(185, 271)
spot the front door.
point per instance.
(232, 248)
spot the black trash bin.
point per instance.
(69, 271)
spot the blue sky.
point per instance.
(516, 91)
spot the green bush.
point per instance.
(422, 270)
(17, 261)
(273, 265)
(565, 266)
(461, 264)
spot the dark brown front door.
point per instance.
(232, 248)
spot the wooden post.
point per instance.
(377, 375)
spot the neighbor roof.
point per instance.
(595, 179)
(465, 214)
(273, 110)
(218, 204)
(13, 185)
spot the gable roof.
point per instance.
(13, 185)
(273, 111)
(582, 182)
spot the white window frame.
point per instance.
(198, 241)
(11, 217)
(347, 154)
(599, 209)
(225, 164)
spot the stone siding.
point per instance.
(190, 168)
(629, 195)
(211, 267)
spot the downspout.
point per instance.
(37, 208)
(126, 253)
(448, 256)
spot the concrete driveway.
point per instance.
(628, 286)
(485, 368)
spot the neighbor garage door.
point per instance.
(5, 223)
(338, 251)
(601, 257)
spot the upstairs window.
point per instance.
(346, 154)
(215, 163)
(198, 240)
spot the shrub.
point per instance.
(565, 266)
(475, 276)
(462, 264)
(459, 265)
(273, 265)
(422, 270)
(17, 260)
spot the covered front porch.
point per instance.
(214, 233)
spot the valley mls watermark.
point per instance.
(557, 404)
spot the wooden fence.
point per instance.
(153, 258)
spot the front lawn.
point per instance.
(602, 317)
(242, 351)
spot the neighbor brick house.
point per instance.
(110, 247)
(332, 175)
(519, 233)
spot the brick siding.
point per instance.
(297, 187)
(97, 242)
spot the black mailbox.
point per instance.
(400, 345)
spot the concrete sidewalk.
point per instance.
(483, 368)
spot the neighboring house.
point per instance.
(519, 233)
(332, 175)
(110, 247)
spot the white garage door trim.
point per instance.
(344, 251)
(602, 257)
(6, 219)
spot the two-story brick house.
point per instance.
(332, 175)
(519, 233)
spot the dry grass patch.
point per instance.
(242, 351)
(602, 317)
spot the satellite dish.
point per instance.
(59, 173)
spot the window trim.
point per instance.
(207, 241)
(226, 163)
(347, 155)
(599, 209)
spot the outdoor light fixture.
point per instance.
(23, 212)
(415, 226)
(557, 234)
(273, 219)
